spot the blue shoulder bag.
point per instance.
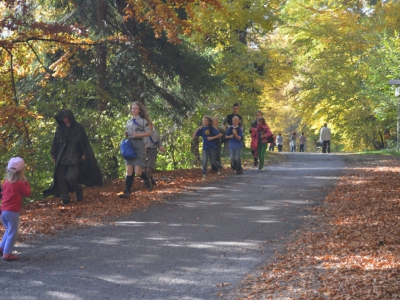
(127, 150)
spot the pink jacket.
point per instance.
(264, 132)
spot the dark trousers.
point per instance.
(301, 147)
(326, 146)
(280, 147)
(67, 179)
(217, 156)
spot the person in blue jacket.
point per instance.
(209, 135)
(235, 135)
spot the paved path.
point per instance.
(198, 245)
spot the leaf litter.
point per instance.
(351, 247)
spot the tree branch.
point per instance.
(12, 76)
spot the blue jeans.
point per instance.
(10, 221)
(235, 158)
(212, 154)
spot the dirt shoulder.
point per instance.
(101, 204)
(349, 249)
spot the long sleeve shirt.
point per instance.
(12, 195)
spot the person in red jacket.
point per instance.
(14, 187)
(263, 133)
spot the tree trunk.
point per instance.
(101, 56)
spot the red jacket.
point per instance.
(12, 195)
(264, 132)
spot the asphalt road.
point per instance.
(197, 245)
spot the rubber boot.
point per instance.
(148, 182)
(128, 187)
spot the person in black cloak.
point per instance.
(73, 158)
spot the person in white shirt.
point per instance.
(325, 138)
(279, 142)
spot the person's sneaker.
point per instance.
(153, 182)
(204, 177)
(219, 171)
(239, 172)
(261, 170)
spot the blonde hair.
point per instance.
(143, 112)
(12, 176)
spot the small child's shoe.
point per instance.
(219, 171)
(204, 177)
(9, 257)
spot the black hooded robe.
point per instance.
(89, 170)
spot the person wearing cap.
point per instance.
(14, 188)
(73, 158)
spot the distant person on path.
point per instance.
(325, 138)
(219, 143)
(73, 158)
(235, 136)
(263, 132)
(152, 145)
(279, 142)
(137, 128)
(209, 135)
(14, 188)
(254, 137)
(302, 141)
(293, 142)
(271, 147)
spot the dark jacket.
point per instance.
(69, 144)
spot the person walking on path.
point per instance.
(73, 158)
(219, 143)
(254, 137)
(279, 142)
(209, 135)
(137, 128)
(263, 132)
(13, 189)
(302, 141)
(152, 145)
(235, 135)
(235, 112)
(325, 138)
(293, 142)
(271, 147)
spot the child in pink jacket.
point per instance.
(264, 133)
(14, 187)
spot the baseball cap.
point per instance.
(16, 164)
